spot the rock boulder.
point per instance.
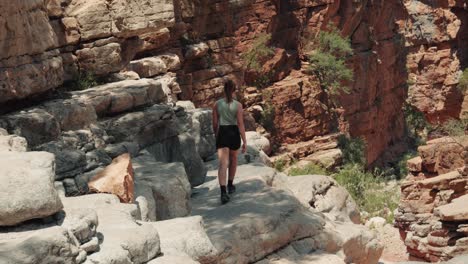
(117, 178)
(22, 174)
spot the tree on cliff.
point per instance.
(253, 58)
(328, 53)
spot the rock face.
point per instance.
(436, 37)
(322, 151)
(163, 40)
(117, 178)
(33, 173)
(432, 213)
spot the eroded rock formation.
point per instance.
(432, 214)
(436, 36)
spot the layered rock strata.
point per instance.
(195, 46)
(432, 214)
(436, 37)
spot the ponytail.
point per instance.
(229, 88)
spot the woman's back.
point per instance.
(227, 112)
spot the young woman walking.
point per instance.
(228, 125)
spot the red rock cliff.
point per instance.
(196, 43)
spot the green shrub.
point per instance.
(258, 52)
(309, 169)
(328, 61)
(455, 127)
(82, 81)
(353, 150)
(356, 180)
(368, 191)
(382, 202)
(415, 119)
(463, 82)
(279, 164)
(402, 166)
(263, 80)
(267, 118)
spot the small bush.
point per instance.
(82, 81)
(353, 150)
(455, 128)
(368, 191)
(279, 165)
(263, 81)
(328, 61)
(267, 118)
(415, 119)
(356, 180)
(258, 52)
(463, 82)
(402, 166)
(309, 169)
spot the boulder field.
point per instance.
(272, 218)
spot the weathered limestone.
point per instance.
(256, 140)
(265, 230)
(325, 195)
(114, 98)
(27, 173)
(186, 235)
(123, 239)
(12, 142)
(168, 183)
(98, 19)
(49, 245)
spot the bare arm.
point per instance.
(240, 123)
(215, 120)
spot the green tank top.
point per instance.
(227, 112)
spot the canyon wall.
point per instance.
(436, 37)
(46, 44)
(192, 45)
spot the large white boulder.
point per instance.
(122, 239)
(325, 195)
(52, 245)
(27, 190)
(169, 184)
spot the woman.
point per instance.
(228, 125)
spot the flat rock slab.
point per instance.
(186, 236)
(173, 260)
(257, 221)
(288, 256)
(457, 210)
(27, 187)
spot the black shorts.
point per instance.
(228, 137)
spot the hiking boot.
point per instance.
(231, 189)
(225, 198)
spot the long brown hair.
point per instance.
(229, 88)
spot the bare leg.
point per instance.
(223, 158)
(232, 164)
